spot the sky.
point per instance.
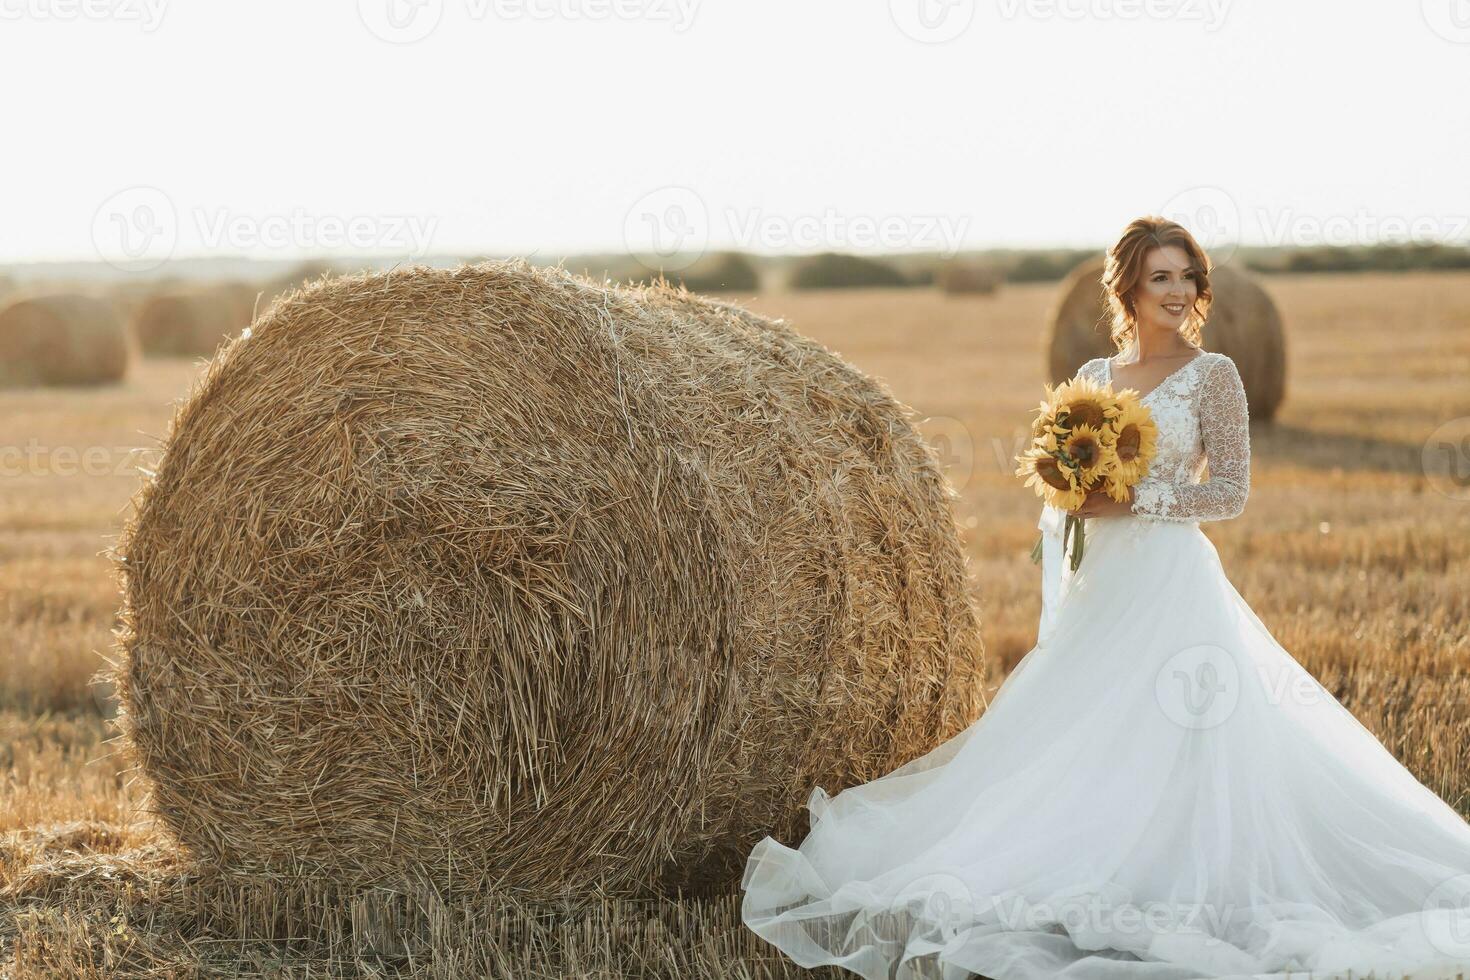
(142, 130)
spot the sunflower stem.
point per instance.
(1080, 523)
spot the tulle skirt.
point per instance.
(1158, 790)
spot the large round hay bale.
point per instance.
(304, 274)
(310, 271)
(301, 275)
(1243, 323)
(249, 298)
(193, 322)
(497, 575)
(61, 340)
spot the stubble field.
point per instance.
(1353, 557)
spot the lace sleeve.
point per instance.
(1088, 369)
(1224, 422)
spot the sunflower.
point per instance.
(1045, 411)
(1084, 402)
(1090, 450)
(1135, 441)
(1086, 438)
(1055, 482)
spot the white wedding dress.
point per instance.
(1158, 790)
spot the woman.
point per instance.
(1158, 790)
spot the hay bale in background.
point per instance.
(1243, 324)
(193, 322)
(967, 277)
(128, 295)
(61, 340)
(1045, 265)
(494, 574)
(1078, 323)
(721, 272)
(837, 270)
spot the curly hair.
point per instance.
(1123, 271)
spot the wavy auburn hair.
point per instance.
(1123, 271)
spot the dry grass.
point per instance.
(1355, 563)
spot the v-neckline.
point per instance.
(1167, 378)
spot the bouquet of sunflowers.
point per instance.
(1086, 438)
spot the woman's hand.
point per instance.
(1099, 504)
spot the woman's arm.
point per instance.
(1224, 422)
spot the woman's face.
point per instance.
(1166, 293)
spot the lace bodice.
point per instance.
(1201, 414)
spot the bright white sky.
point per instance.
(271, 128)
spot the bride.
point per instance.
(1158, 790)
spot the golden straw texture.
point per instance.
(498, 576)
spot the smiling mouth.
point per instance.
(1175, 308)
